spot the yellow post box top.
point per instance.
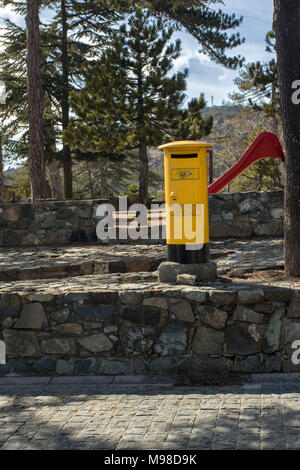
(185, 144)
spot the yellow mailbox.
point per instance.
(186, 193)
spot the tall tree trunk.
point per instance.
(103, 168)
(1, 172)
(35, 103)
(65, 108)
(286, 26)
(90, 180)
(55, 181)
(144, 170)
(144, 164)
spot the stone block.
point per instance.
(58, 346)
(291, 334)
(10, 304)
(158, 302)
(264, 308)
(21, 344)
(101, 313)
(195, 295)
(130, 298)
(41, 298)
(183, 311)
(288, 366)
(186, 280)
(11, 214)
(64, 367)
(250, 296)
(168, 272)
(273, 364)
(132, 341)
(203, 271)
(245, 314)
(85, 366)
(4, 369)
(239, 341)
(60, 316)
(212, 317)
(141, 315)
(113, 367)
(196, 367)
(250, 205)
(294, 309)
(172, 340)
(68, 329)
(249, 365)
(87, 268)
(208, 341)
(135, 266)
(273, 332)
(32, 317)
(20, 367)
(140, 366)
(267, 230)
(222, 297)
(96, 343)
(44, 366)
(163, 365)
(278, 294)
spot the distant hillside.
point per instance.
(221, 115)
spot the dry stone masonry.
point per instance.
(239, 216)
(149, 328)
(91, 309)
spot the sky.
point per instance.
(213, 79)
(206, 76)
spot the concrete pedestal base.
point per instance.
(169, 272)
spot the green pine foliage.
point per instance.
(212, 28)
(190, 124)
(258, 83)
(130, 99)
(136, 109)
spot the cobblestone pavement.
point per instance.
(246, 253)
(232, 257)
(99, 416)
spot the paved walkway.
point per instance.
(63, 262)
(89, 414)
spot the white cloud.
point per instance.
(213, 79)
(7, 12)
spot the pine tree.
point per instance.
(65, 48)
(259, 86)
(130, 101)
(35, 103)
(204, 22)
(14, 115)
(286, 27)
(190, 125)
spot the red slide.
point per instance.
(266, 145)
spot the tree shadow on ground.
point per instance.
(111, 417)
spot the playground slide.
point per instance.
(266, 145)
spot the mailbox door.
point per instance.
(186, 183)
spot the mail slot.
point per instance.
(186, 196)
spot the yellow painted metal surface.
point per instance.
(186, 192)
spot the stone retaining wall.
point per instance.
(240, 215)
(153, 329)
